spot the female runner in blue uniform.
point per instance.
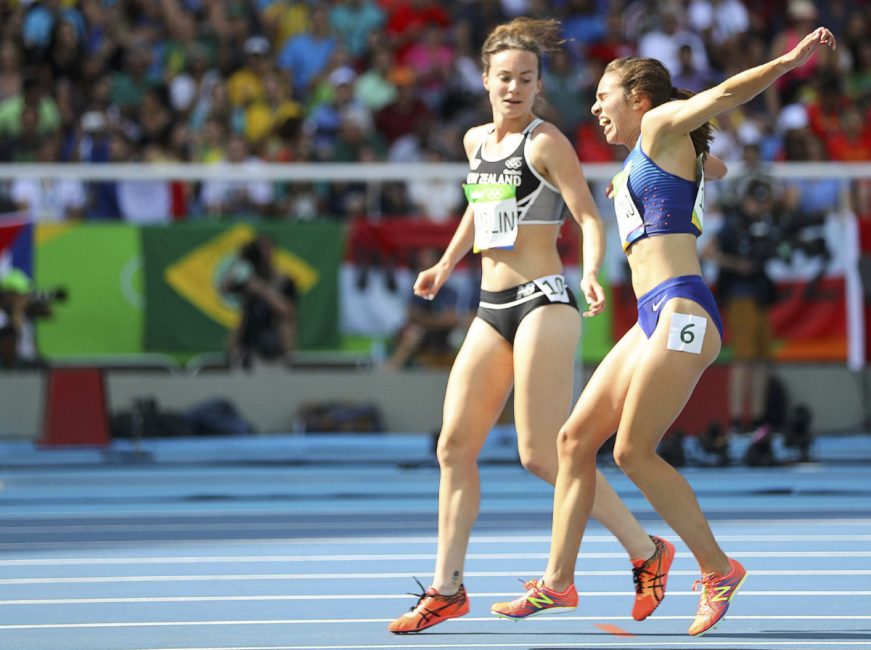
(646, 379)
(523, 172)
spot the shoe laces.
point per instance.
(425, 593)
(421, 596)
(639, 573)
(707, 584)
(529, 585)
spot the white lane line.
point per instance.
(804, 524)
(355, 597)
(389, 557)
(351, 621)
(622, 644)
(234, 577)
(427, 541)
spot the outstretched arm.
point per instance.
(684, 116)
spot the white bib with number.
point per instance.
(553, 287)
(495, 211)
(628, 215)
(686, 332)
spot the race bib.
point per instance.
(699, 205)
(686, 333)
(553, 287)
(628, 215)
(495, 210)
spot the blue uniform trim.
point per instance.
(691, 287)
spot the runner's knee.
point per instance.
(572, 444)
(539, 462)
(455, 451)
(632, 458)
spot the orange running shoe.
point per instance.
(650, 576)
(537, 600)
(717, 591)
(431, 609)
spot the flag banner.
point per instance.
(99, 267)
(186, 313)
(381, 264)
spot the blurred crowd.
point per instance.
(259, 81)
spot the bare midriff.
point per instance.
(534, 255)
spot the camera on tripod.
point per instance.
(58, 294)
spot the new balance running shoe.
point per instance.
(717, 592)
(431, 609)
(650, 577)
(537, 600)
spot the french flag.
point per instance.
(16, 242)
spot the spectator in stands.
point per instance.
(129, 84)
(276, 106)
(49, 199)
(65, 52)
(93, 144)
(564, 91)
(426, 336)
(852, 143)
(688, 76)
(374, 87)
(35, 97)
(242, 198)
(283, 19)
(408, 19)
(403, 116)
(245, 85)
(143, 201)
(437, 200)
(801, 18)
(11, 77)
(356, 140)
(306, 55)
(154, 118)
(858, 82)
(613, 44)
(664, 41)
(809, 195)
(720, 23)
(210, 144)
(324, 121)
(585, 21)
(431, 59)
(23, 145)
(355, 22)
(267, 329)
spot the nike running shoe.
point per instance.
(717, 592)
(431, 609)
(537, 600)
(650, 576)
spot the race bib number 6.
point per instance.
(686, 333)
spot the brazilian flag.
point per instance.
(186, 313)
